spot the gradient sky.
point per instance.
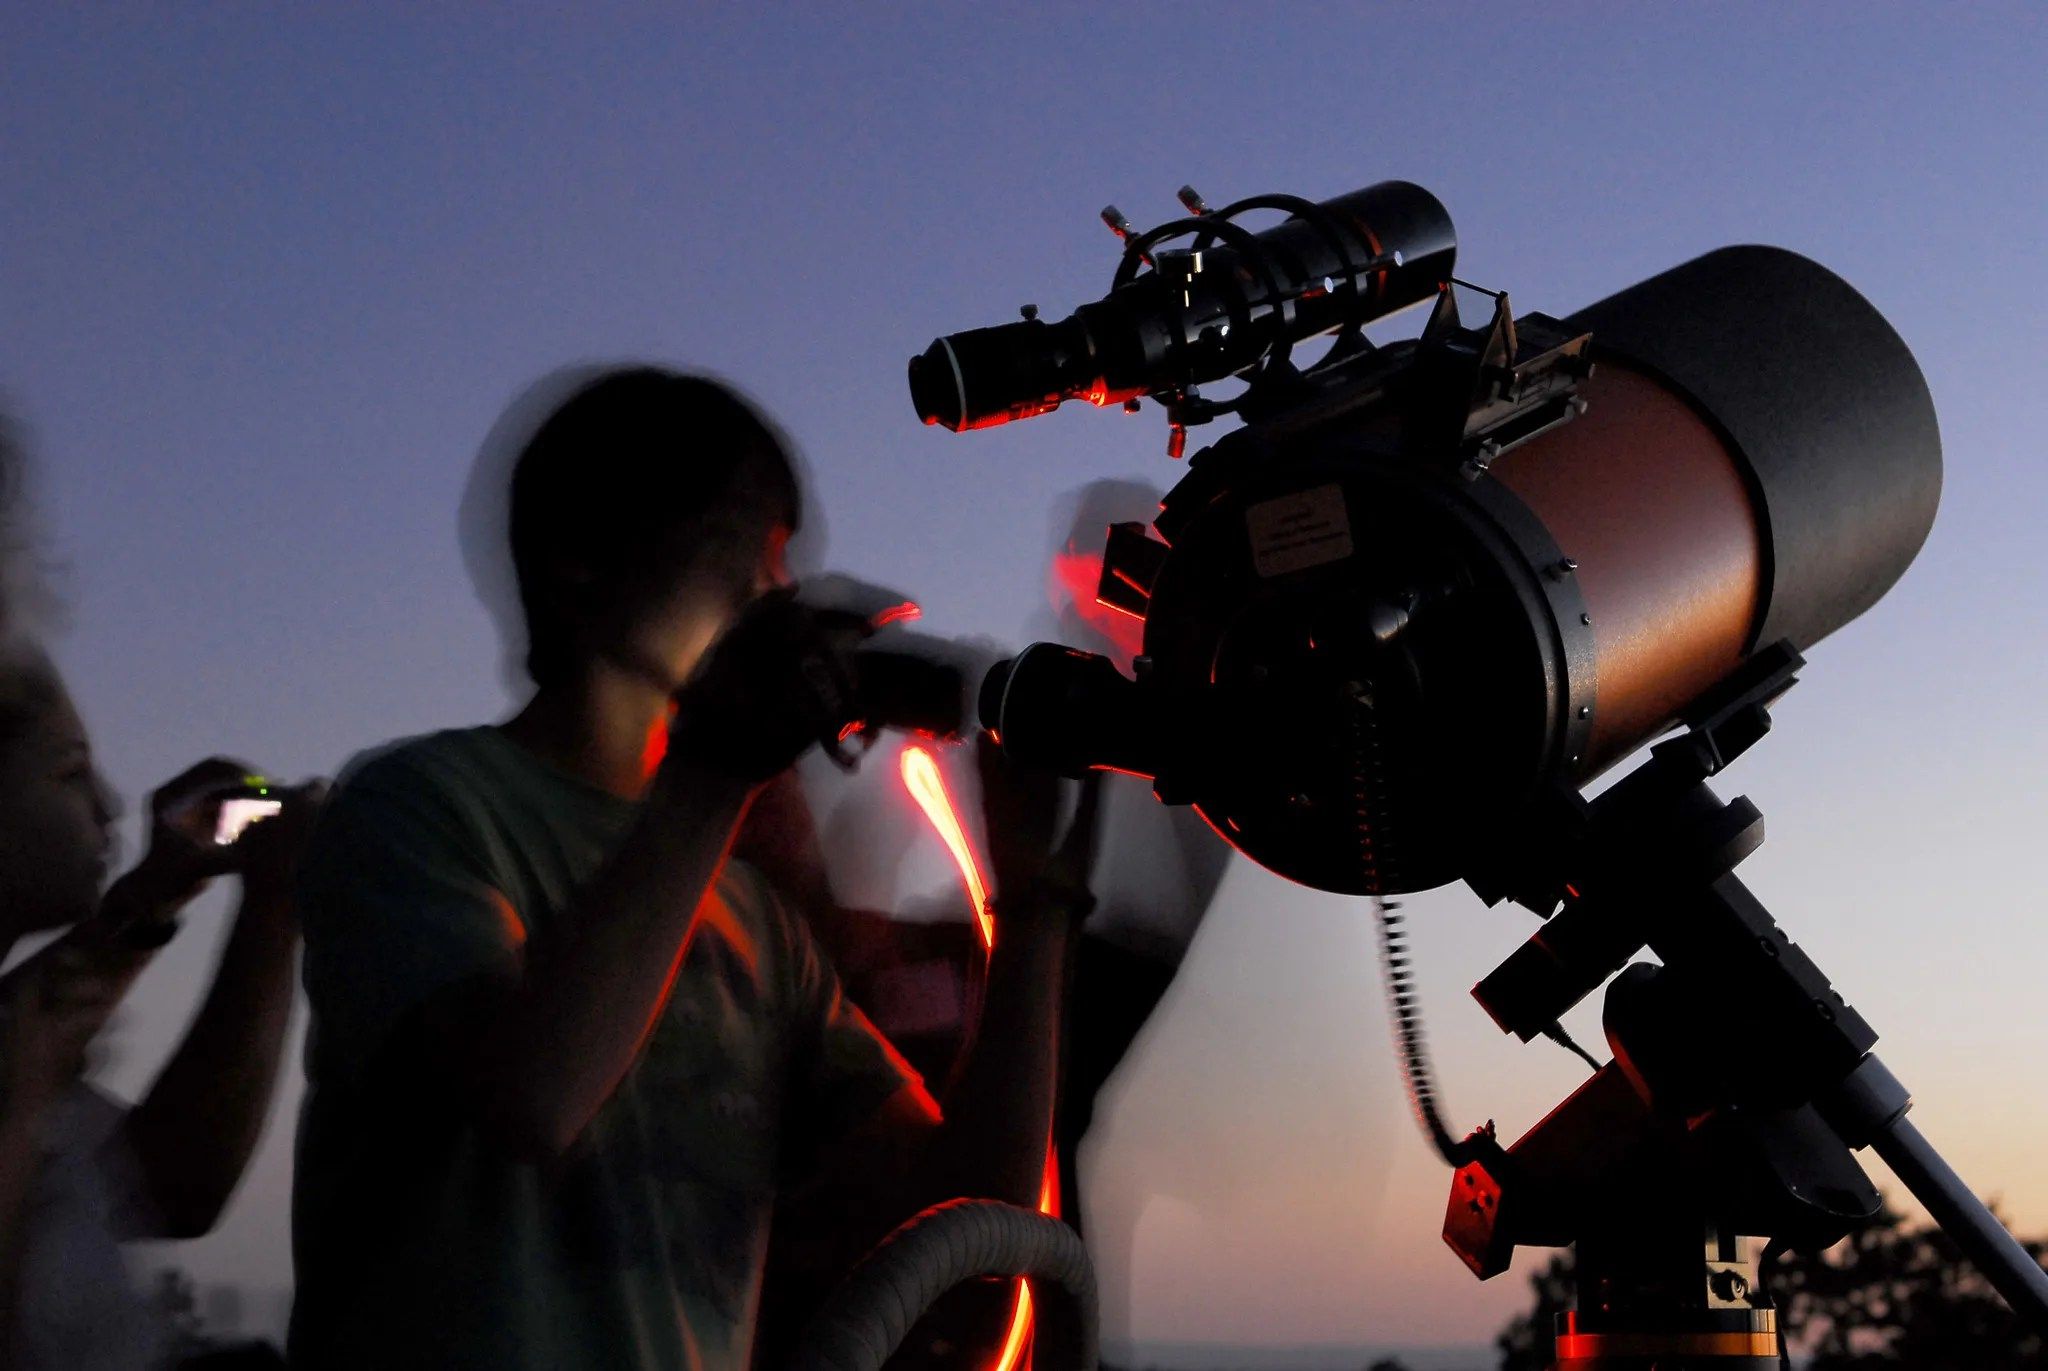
(268, 275)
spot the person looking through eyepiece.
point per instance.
(564, 1050)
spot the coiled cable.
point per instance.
(1411, 1045)
(873, 1310)
(1404, 1010)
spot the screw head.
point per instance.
(1728, 1285)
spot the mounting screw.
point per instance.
(1585, 711)
(1585, 618)
(1562, 569)
(1728, 1285)
(1132, 406)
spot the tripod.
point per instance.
(1742, 1083)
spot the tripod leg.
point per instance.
(1962, 1216)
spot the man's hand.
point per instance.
(182, 855)
(780, 679)
(1020, 807)
(141, 907)
(267, 854)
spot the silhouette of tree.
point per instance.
(1890, 1295)
(1526, 1344)
(1387, 1364)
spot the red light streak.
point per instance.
(921, 777)
(898, 614)
(1020, 1315)
(1071, 581)
(927, 786)
(655, 746)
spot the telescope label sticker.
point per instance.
(1298, 531)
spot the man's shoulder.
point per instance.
(422, 761)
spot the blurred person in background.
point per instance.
(80, 1173)
(565, 1052)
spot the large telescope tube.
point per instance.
(1362, 662)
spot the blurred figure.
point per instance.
(564, 1052)
(1160, 871)
(79, 1173)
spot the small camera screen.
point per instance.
(236, 815)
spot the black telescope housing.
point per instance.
(1430, 585)
(1231, 302)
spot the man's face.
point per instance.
(56, 820)
(667, 640)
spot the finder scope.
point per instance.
(1232, 301)
(1430, 583)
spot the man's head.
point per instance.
(646, 510)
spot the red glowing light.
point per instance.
(921, 777)
(927, 785)
(655, 746)
(1071, 586)
(1020, 1314)
(898, 614)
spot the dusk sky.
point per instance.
(268, 276)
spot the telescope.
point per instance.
(1428, 582)
(1431, 589)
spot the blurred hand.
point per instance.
(184, 817)
(51, 1008)
(267, 854)
(780, 679)
(183, 812)
(1020, 807)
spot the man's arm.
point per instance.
(990, 1139)
(560, 1041)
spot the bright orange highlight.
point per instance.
(927, 786)
(1020, 1317)
(655, 746)
(922, 778)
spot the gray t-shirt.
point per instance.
(453, 859)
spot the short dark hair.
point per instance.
(640, 477)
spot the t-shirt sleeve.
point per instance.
(398, 904)
(842, 1068)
